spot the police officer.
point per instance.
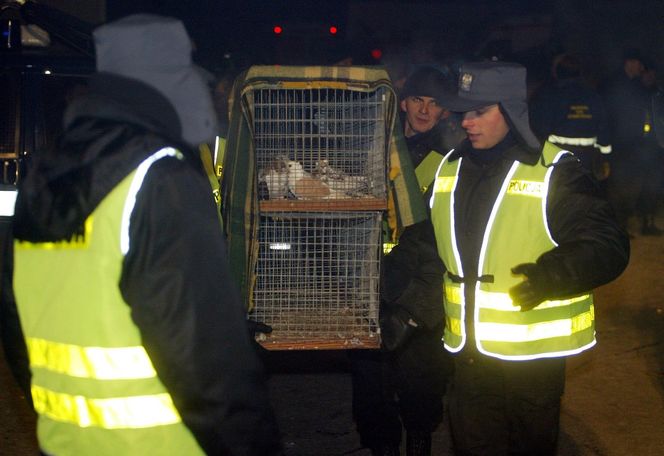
(525, 237)
(405, 384)
(571, 114)
(136, 337)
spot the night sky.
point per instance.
(597, 29)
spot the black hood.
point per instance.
(107, 134)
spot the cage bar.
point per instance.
(317, 279)
(320, 144)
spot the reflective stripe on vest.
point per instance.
(102, 363)
(93, 384)
(554, 328)
(108, 413)
(592, 141)
(7, 202)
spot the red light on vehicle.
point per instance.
(333, 30)
(277, 29)
(376, 54)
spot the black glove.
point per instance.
(532, 291)
(257, 327)
(396, 327)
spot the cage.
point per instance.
(324, 144)
(317, 279)
(308, 172)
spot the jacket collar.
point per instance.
(509, 149)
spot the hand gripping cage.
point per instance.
(316, 157)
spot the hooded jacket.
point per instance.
(196, 337)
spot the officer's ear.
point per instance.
(402, 104)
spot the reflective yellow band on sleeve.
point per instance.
(500, 332)
(108, 413)
(118, 363)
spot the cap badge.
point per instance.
(465, 82)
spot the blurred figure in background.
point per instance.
(650, 197)
(571, 114)
(627, 102)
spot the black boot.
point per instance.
(418, 444)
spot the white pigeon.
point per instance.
(275, 176)
(303, 185)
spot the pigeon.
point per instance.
(305, 186)
(340, 182)
(275, 176)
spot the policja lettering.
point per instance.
(526, 188)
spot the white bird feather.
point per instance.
(305, 186)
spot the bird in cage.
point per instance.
(341, 182)
(303, 185)
(275, 177)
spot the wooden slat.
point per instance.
(276, 343)
(322, 205)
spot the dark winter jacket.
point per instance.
(592, 249)
(412, 275)
(196, 338)
(570, 109)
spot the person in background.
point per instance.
(652, 175)
(136, 337)
(405, 383)
(571, 114)
(524, 235)
(628, 104)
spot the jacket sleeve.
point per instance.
(413, 275)
(592, 249)
(177, 282)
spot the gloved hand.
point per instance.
(396, 327)
(257, 327)
(532, 291)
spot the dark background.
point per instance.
(235, 34)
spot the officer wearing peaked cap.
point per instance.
(524, 236)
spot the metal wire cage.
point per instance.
(320, 144)
(317, 279)
(318, 153)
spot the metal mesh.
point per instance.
(9, 115)
(319, 143)
(317, 277)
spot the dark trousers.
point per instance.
(404, 387)
(505, 407)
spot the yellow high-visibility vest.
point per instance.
(94, 387)
(517, 232)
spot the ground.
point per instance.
(613, 403)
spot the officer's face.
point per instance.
(422, 114)
(485, 127)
